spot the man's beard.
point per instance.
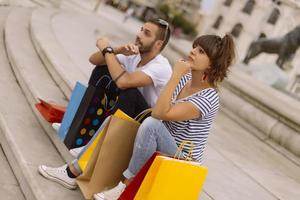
(144, 48)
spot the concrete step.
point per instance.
(77, 6)
(204, 196)
(44, 3)
(55, 42)
(4, 2)
(274, 176)
(260, 122)
(226, 180)
(63, 70)
(26, 3)
(22, 138)
(9, 186)
(34, 79)
(55, 3)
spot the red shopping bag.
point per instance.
(51, 111)
(131, 190)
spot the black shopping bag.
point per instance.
(97, 103)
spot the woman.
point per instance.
(185, 109)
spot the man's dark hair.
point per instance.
(164, 31)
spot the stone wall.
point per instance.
(274, 114)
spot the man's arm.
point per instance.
(127, 80)
(98, 59)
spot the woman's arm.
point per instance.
(164, 109)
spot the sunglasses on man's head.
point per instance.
(166, 24)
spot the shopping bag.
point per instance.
(72, 107)
(132, 188)
(90, 147)
(87, 163)
(97, 103)
(172, 178)
(51, 112)
(115, 148)
(88, 150)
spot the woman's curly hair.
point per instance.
(221, 53)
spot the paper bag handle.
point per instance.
(140, 116)
(102, 77)
(180, 148)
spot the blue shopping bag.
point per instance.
(76, 97)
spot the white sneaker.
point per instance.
(112, 194)
(56, 126)
(76, 151)
(58, 175)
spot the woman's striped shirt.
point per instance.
(194, 130)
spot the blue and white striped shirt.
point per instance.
(194, 130)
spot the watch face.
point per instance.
(109, 49)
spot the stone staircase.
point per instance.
(38, 60)
(10, 188)
(24, 133)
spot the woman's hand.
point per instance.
(180, 68)
(163, 104)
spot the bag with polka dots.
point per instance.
(97, 103)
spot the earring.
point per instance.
(204, 77)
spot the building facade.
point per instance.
(248, 20)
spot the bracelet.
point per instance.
(120, 75)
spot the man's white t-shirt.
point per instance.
(159, 70)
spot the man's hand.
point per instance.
(102, 43)
(129, 49)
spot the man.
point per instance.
(138, 69)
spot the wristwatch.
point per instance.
(107, 50)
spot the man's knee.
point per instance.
(98, 72)
(130, 92)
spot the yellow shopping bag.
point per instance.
(85, 157)
(171, 178)
(111, 155)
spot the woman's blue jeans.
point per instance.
(152, 136)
